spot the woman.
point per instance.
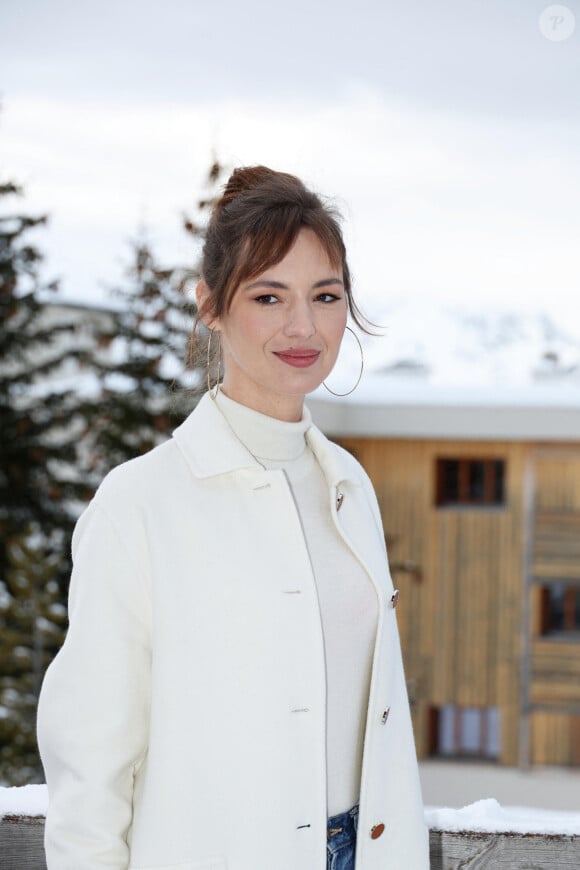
(230, 695)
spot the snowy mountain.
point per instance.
(425, 341)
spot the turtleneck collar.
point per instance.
(265, 437)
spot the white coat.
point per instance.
(183, 724)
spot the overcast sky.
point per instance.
(448, 134)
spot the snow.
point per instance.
(489, 816)
(459, 358)
(483, 816)
(427, 347)
(26, 800)
(469, 346)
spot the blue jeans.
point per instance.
(341, 840)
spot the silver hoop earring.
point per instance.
(213, 391)
(360, 374)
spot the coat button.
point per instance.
(395, 598)
(377, 830)
(385, 715)
(339, 500)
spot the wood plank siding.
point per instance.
(471, 577)
(554, 681)
(557, 544)
(555, 674)
(460, 611)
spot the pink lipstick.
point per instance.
(300, 359)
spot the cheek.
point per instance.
(337, 328)
(259, 325)
(249, 335)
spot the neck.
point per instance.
(267, 438)
(287, 408)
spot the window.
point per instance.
(464, 731)
(471, 482)
(560, 608)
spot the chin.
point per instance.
(304, 386)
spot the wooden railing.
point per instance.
(21, 848)
(459, 850)
(21, 843)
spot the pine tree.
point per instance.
(148, 386)
(37, 418)
(37, 481)
(33, 618)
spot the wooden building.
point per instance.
(480, 497)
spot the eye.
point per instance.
(328, 297)
(266, 299)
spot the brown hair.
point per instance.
(253, 226)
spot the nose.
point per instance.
(300, 321)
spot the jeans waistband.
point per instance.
(343, 825)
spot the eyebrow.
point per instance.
(279, 285)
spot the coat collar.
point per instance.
(210, 447)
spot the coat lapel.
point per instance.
(210, 447)
(208, 443)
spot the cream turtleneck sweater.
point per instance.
(346, 595)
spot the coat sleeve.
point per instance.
(93, 710)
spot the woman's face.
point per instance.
(281, 336)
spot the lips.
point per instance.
(298, 358)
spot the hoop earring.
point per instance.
(360, 374)
(213, 391)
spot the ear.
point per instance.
(203, 296)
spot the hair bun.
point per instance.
(246, 178)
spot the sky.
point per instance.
(448, 135)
